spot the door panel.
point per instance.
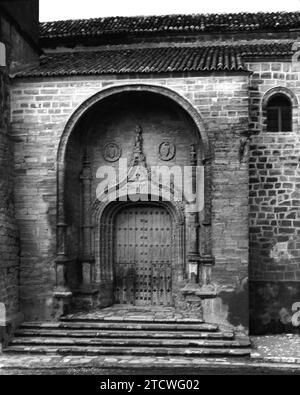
(143, 256)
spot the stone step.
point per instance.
(130, 319)
(120, 326)
(139, 351)
(114, 334)
(137, 343)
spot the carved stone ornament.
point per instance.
(138, 157)
(112, 152)
(244, 149)
(193, 308)
(138, 171)
(167, 151)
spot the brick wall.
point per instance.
(274, 205)
(40, 110)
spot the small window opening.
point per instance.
(279, 114)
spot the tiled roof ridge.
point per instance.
(178, 45)
(171, 15)
(154, 60)
(174, 23)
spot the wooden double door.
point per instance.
(143, 250)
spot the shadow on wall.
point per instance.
(274, 306)
(238, 315)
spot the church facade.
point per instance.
(210, 102)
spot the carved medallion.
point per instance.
(167, 151)
(112, 152)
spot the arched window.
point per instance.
(279, 114)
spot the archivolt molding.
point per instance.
(102, 213)
(105, 93)
(279, 90)
(104, 229)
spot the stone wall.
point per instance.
(26, 14)
(9, 248)
(274, 204)
(17, 51)
(40, 110)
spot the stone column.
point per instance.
(193, 222)
(206, 259)
(61, 287)
(199, 286)
(87, 261)
(62, 292)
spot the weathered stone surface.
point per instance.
(41, 110)
(274, 177)
(9, 248)
(16, 51)
(103, 365)
(122, 332)
(38, 120)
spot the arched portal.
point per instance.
(144, 124)
(143, 246)
(140, 252)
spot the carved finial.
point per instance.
(138, 166)
(139, 137)
(138, 155)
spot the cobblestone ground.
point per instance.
(30, 365)
(271, 355)
(284, 349)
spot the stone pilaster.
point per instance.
(87, 261)
(61, 287)
(193, 223)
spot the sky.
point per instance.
(51, 10)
